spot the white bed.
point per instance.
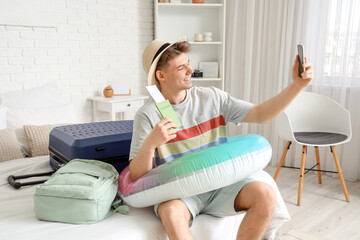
(18, 220)
(23, 115)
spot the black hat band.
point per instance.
(160, 50)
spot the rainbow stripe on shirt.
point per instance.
(193, 139)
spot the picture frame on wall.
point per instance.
(209, 69)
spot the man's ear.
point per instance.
(159, 75)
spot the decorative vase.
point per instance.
(198, 37)
(108, 92)
(197, 1)
(207, 36)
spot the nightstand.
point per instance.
(117, 104)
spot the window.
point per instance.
(342, 46)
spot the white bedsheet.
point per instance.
(18, 220)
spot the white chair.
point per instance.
(314, 120)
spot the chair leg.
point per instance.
(318, 163)
(282, 160)
(337, 163)
(302, 170)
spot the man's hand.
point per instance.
(306, 76)
(267, 111)
(164, 131)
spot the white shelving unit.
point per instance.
(174, 20)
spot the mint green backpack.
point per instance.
(81, 192)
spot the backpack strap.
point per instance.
(118, 207)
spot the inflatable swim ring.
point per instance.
(198, 172)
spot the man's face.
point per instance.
(177, 76)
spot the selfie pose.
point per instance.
(168, 67)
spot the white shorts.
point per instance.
(217, 203)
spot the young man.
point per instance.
(168, 67)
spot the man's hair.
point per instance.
(172, 52)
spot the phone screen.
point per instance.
(301, 54)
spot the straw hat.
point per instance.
(151, 56)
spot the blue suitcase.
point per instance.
(106, 141)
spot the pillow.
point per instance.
(18, 117)
(38, 138)
(22, 140)
(9, 147)
(43, 96)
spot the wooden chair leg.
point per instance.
(318, 163)
(302, 170)
(282, 160)
(337, 163)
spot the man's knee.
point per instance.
(267, 197)
(174, 211)
(257, 195)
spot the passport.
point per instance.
(163, 105)
(167, 111)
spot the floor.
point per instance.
(323, 212)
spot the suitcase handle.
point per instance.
(12, 179)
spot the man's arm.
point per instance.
(267, 111)
(159, 135)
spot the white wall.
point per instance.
(94, 43)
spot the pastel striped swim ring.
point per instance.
(198, 172)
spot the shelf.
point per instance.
(187, 19)
(192, 5)
(205, 43)
(205, 79)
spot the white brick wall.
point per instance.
(95, 43)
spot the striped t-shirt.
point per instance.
(203, 114)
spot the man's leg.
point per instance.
(259, 200)
(175, 217)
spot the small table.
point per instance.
(117, 104)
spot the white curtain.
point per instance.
(261, 39)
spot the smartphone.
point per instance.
(300, 49)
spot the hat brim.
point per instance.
(151, 75)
